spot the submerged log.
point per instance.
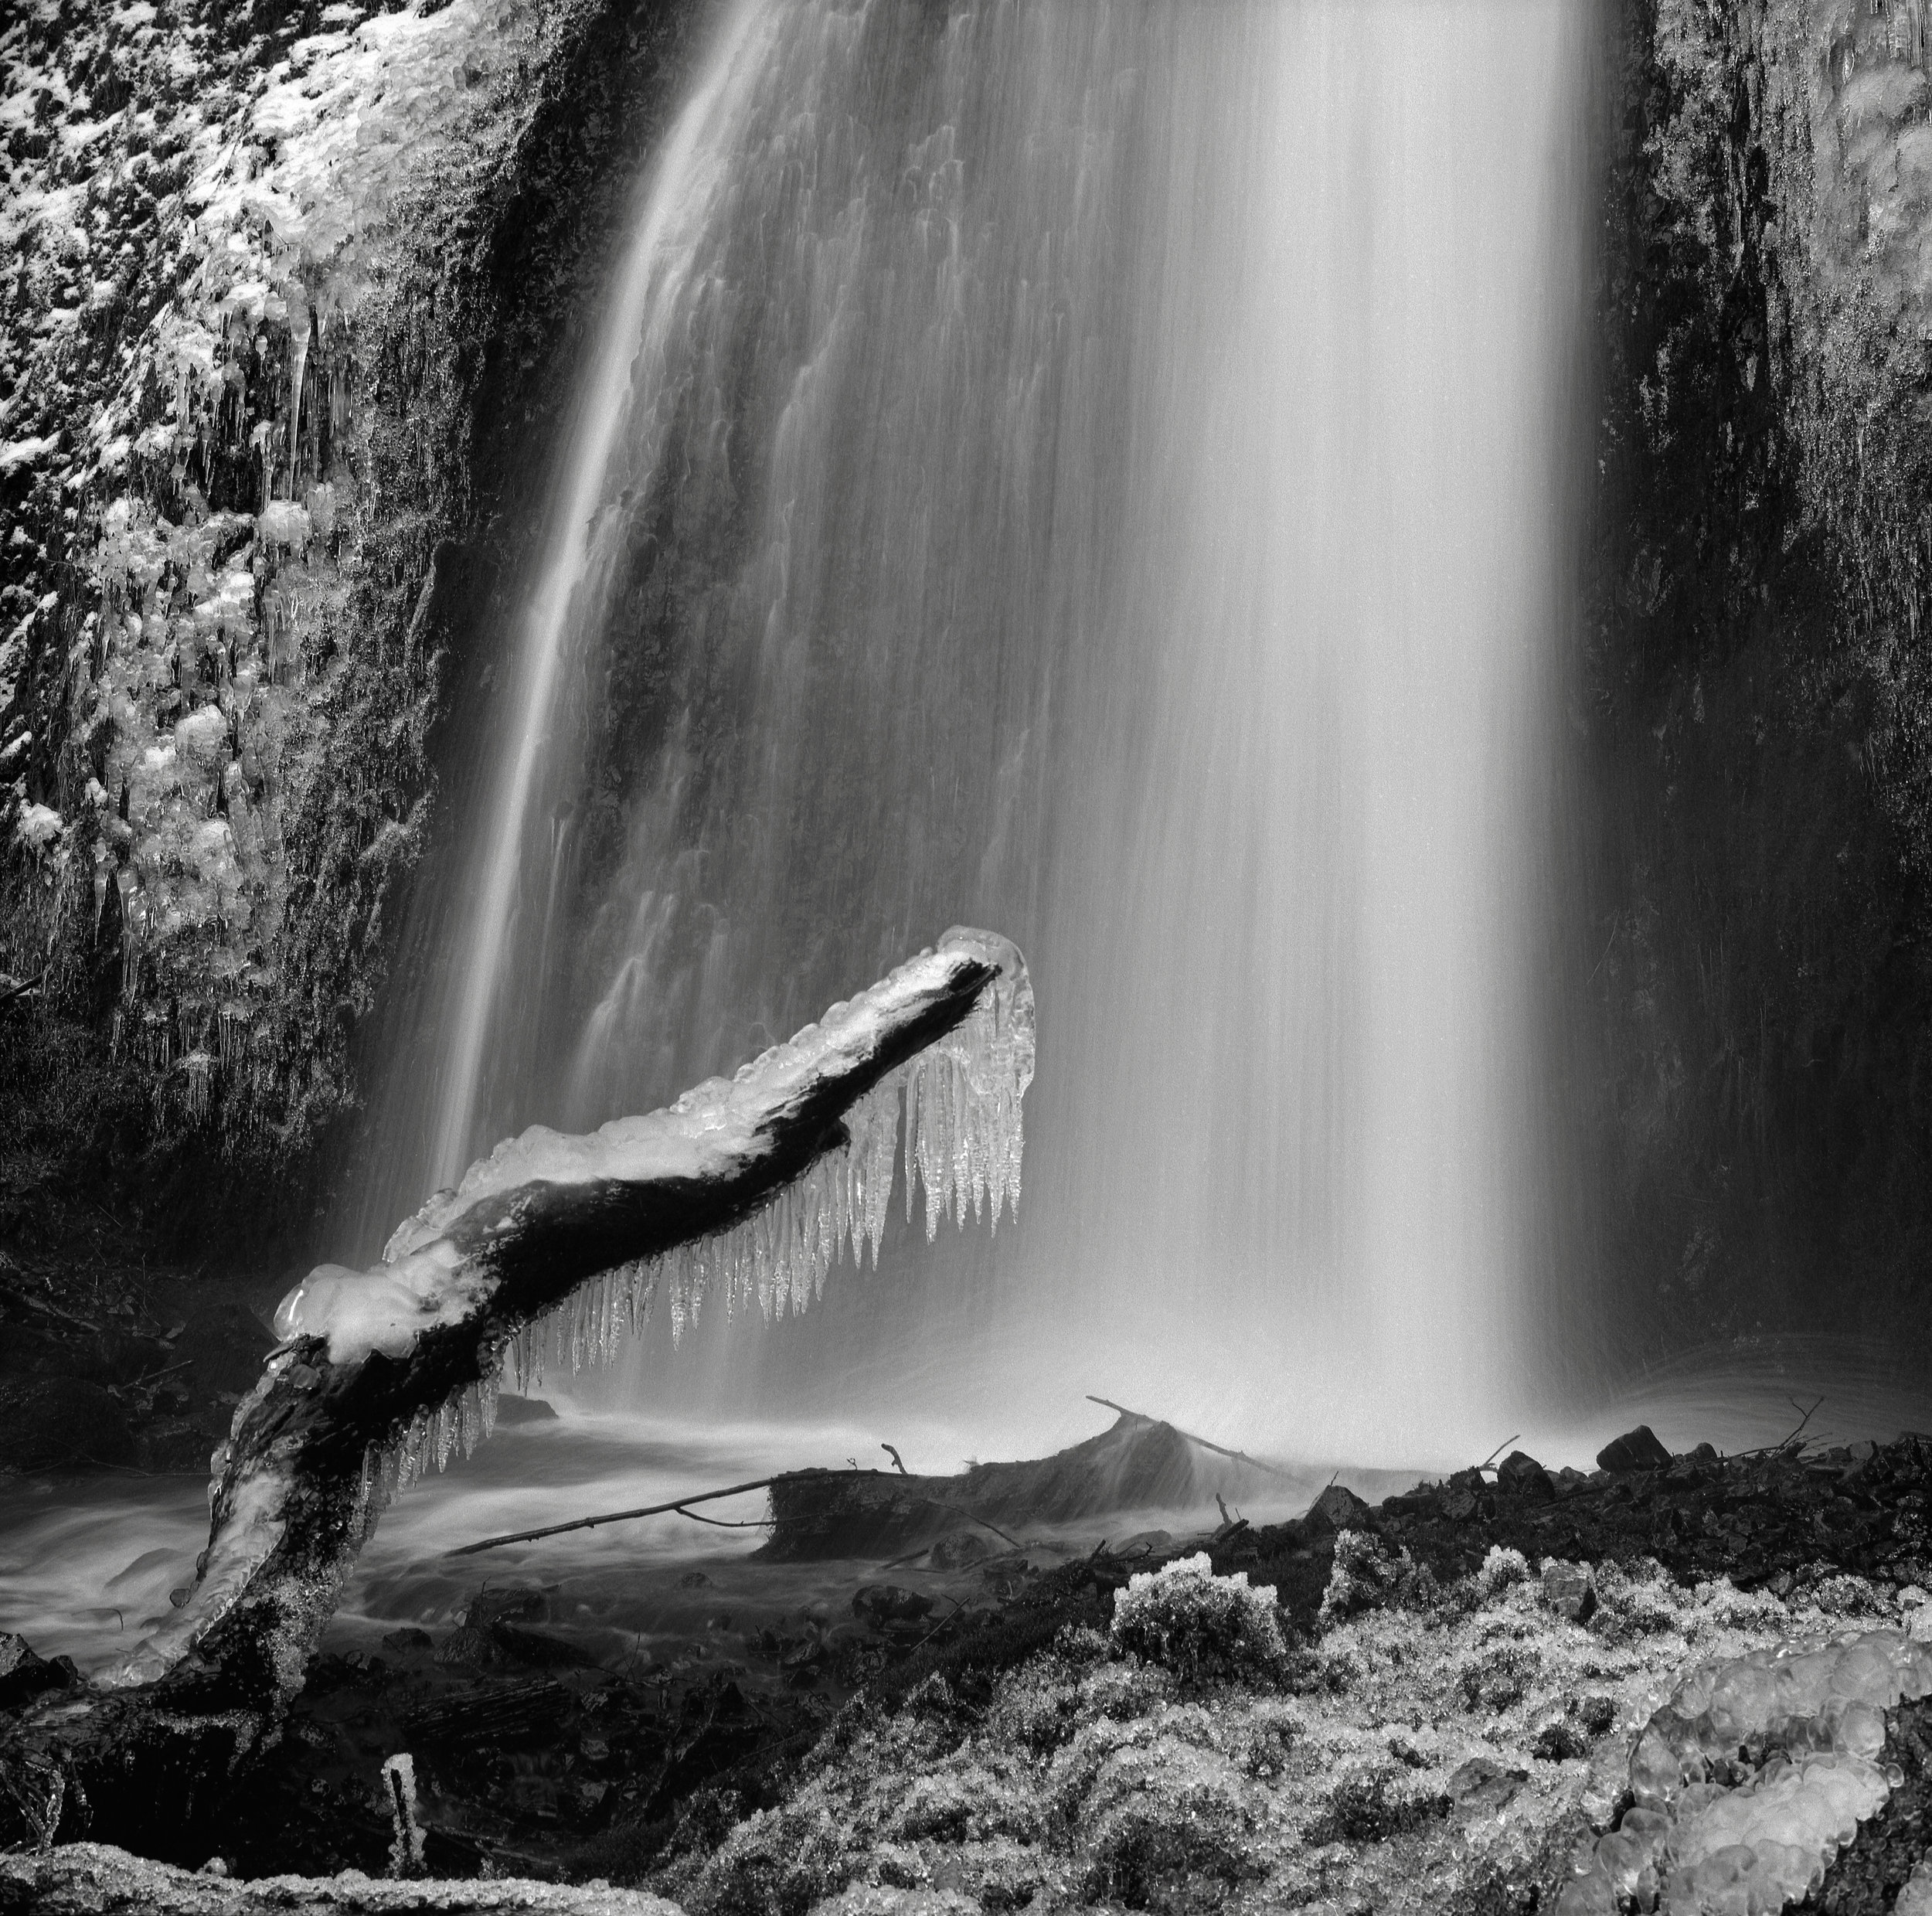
(372, 1361)
(1138, 1464)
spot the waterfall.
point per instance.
(1096, 470)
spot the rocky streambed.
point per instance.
(1464, 1672)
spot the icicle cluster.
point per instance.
(958, 1107)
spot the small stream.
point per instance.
(86, 1562)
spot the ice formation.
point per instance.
(205, 648)
(1753, 1777)
(406, 1850)
(950, 1115)
(794, 1155)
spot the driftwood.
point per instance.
(377, 1352)
(624, 1516)
(1138, 1464)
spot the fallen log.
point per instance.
(380, 1372)
(1139, 1463)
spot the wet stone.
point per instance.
(1338, 1508)
(1520, 1473)
(1635, 1450)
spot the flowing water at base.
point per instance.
(86, 1564)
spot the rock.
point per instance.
(881, 1603)
(45, 1421)
(511, 1412)
(90, 1879)
(24, 1676)
(1484, 1787)
(1635, 1450)
(961, 1548)
(1338, 1508)
(1570, 1590)
(1521, 1474)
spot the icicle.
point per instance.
(297, 361)
(950, 1117)
(469, 1420)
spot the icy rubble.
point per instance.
(1806, 1722)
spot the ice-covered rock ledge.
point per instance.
(215, 235)
(287, 287)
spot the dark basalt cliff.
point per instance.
(1757, 674)
(273, 412)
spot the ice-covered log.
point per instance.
(751, 1186)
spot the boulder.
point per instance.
(512, 1410)
(1635, 1450)
(24, 1676)
(1338, 1508)
(1521, 1476)
(881, 1603)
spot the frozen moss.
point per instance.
(1205, 1629)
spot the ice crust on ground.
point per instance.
(1806, 1720)
(1403, 1764)
(952, 1116)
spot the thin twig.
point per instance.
(646, 1510)
(728, 1523)
(956, 1609)
(1492, 1458)
(1784, 1443)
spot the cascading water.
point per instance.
(1096, 470)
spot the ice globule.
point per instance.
(1805, 1724)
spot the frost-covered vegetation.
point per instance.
(1457, 1748)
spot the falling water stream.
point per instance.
(1096, 471)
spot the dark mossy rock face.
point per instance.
(1756, 682)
